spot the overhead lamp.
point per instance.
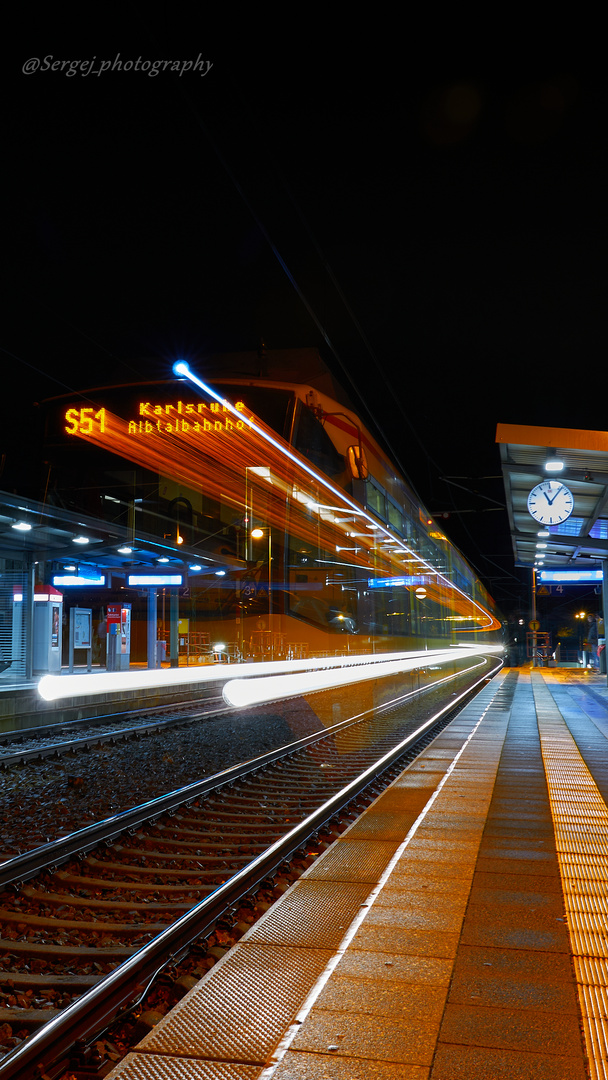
(220, 573)
(80, 539)
(196, 567)
(125, 551)
(541, 545)
(553, 463)
(163, 558)
(21, 526)
(543, 532)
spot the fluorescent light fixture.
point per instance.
(80, 540)
(125, 551)
(54, 687)
(21, 526)
(195, 568)
(553, 464)
(220, 573)
(154, 580)
(162, 558)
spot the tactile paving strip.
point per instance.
(580, 819)
(314, 914)
(135, 1067)
(240, 1014)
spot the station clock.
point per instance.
(550, 502)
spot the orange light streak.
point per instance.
(220, 461)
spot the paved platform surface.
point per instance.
(457, 930)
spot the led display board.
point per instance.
(155, 580)
(388, 582)
(571, 577)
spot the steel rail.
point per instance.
(147, 727)
(97, 1007)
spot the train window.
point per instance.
(375, 499)
(312, 441)
(271, 405)
(395, 516)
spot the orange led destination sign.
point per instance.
(183, 418)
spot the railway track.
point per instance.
(35, 744)
(88, 920)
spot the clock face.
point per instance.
(550, 502)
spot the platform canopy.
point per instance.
(35, 531)
(529, 457)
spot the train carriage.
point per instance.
(298, 534)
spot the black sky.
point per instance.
(440, 234)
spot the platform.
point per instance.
(456, 930)
(22, 708)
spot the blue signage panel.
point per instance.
(388, 582)
(155, 580)
(571, 577)
(78, 579)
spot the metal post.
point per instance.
(270, 593)
(28, 608)
(605, 608)
(152, 628)
(534, 638)
(173, 628)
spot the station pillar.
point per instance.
(173, 627)
(151, 627)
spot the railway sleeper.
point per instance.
(128, 886)
(45, 922)
(121, 868)
(69, 900)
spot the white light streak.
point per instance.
(56, 687)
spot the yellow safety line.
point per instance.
(580, 819)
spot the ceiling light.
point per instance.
(163, 558)
(553, 464)
(196, 567)
(125, 551)
(80, 540)
(21, 526)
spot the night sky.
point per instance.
(441, 237)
